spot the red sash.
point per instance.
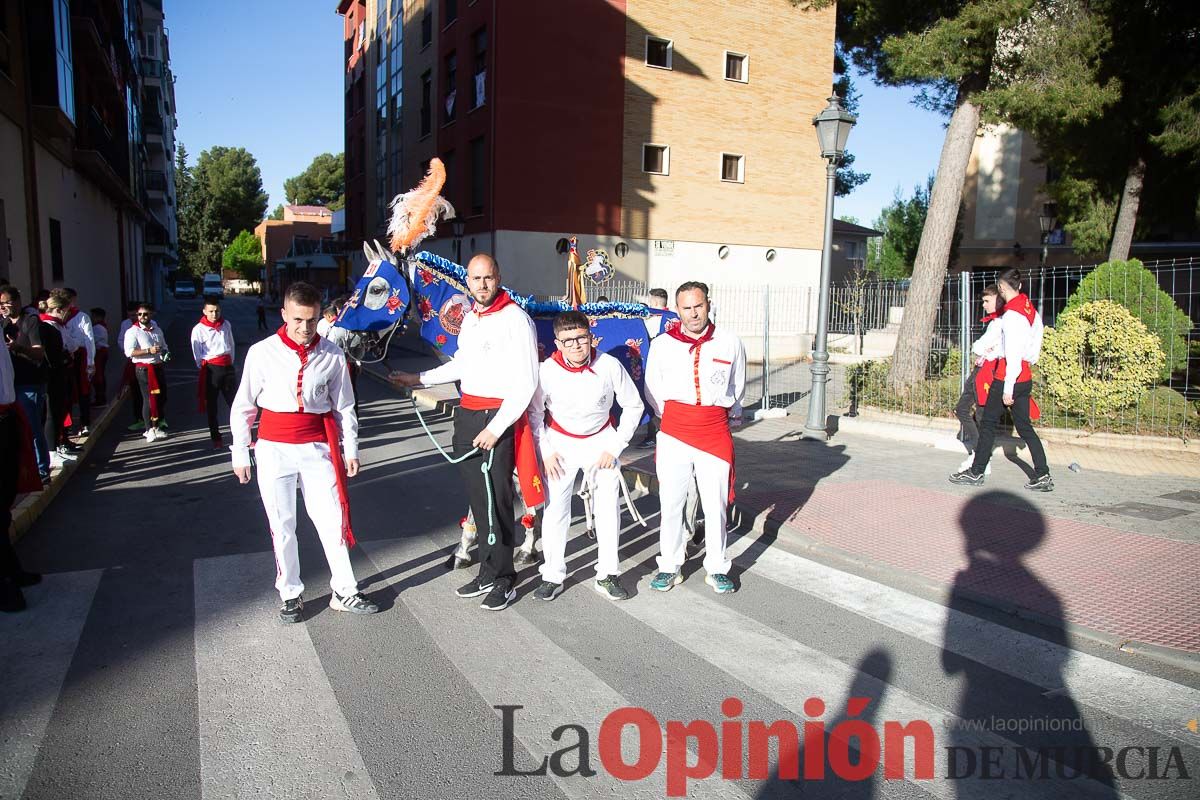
(705, 428)
(986, 375)
(301, 427)
(152, 386)
(28, 477)
(223, 360)
(608, 423)
(529, 475)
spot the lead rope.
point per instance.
(485, 468)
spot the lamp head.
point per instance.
(833, 126)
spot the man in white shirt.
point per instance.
(695, 380)
(1021, 343)
(573, 427)
(299, 382)
(213, 352)
(145, 346)
(497, 366)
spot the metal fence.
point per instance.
(1167, 407)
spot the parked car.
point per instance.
(185, 289)
(213, 287)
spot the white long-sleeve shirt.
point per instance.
(990, 345)
(270, 378)
(80, 328)
(138, 338)
(712, 375)
(497, 357)
(100, 332)
(1021, 341)
(208, 343)
(580, 402)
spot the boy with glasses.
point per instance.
(573, 426)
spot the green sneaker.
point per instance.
(137, 426)
(663, 581)
(721, 584)
(609, 588)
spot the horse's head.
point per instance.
(381, 297)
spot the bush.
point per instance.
(1099, 359)
(1136, 288)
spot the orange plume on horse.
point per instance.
(415, 213)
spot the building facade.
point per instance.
(158, 127)
(303, 231)
(678, 139)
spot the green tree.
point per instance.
(277, 213)
(201, 239)
(244, 255)
(322, 183)
(229, 185)
(892, 256)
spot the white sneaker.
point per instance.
(159, 433)
(56, 461)
(149, 435)
(966, 464)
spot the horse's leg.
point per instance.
(462, 554)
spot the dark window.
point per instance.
(731, 167)
(658, 52)
(450, 11)
(427, 28)
(478, 175)
(451, 189)
(654, 158)
(426, 103)
(56, 257)
(735, 67)
(65, 65)
(479, 71)
(450, 106)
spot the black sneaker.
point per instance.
(474, 588)
(356, 603)
(1042, 483)
(966, 478)
(608, 587)
(649, 444)
(500, 596)
(292, 610)
(548, 591)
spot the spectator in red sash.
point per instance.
(146, 346)
(1021, 343)
(213, 351)
(695, 380)
(986, 350)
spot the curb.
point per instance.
(761, 522)
(26, 512)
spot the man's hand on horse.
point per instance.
(606, 461)
(486, 440)
(401, 378)
(242, 473)
(351, 467)
(554, 469)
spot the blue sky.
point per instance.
(267, 75)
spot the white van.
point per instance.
(213, 286)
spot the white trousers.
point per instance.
(579, 455)
(281, 467)
(676, 463)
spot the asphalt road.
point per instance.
(151, 663)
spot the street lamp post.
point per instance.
(457, 226)
(1046, 220)
(833, 128)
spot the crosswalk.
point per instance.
(413, 702)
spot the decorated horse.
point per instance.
(410, 287)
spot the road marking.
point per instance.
(525, 665)
(270, 724)
(38, 646)
(1103, 685)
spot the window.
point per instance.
(478, 175)
(479, 90)
(450, 107)
(62, 51)
(656, 159)
(56, 257)
(427, 29)
(362, 34)
(450, 191)
(151, 45)
(449, 11)
(658, 52)
(733, 168)
(426, 102)
(737, 67)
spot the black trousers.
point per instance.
(495, 561)
(84, 399)
(144, 384)
(965, 411)
(1020, 414)
(9, 439)
(135, 397)
(222, 382)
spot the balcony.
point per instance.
(156, 185)
(152, 71)
(103, 156)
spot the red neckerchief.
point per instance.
(216, 326)
(1021, 305)
(71, 312)
(502, 299)
(990, 317)
(53, 320)
(149, 326)
(301, 351)
(562, 362)
(677, 333)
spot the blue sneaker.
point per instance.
(663, 581)
(721, 584)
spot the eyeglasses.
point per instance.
(578, 341)
(143, 313)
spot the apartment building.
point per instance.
(677, 136)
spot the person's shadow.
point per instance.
(999, 529)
